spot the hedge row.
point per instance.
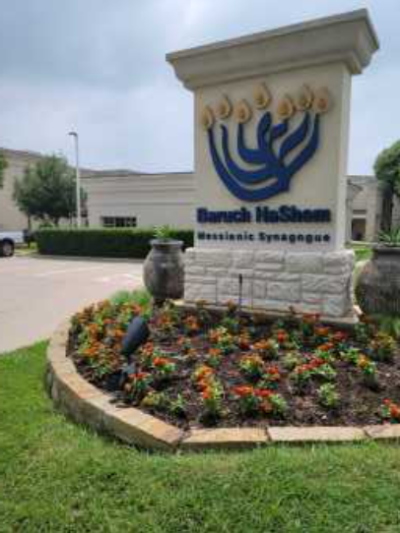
(130, 243)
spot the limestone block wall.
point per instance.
(309, 282)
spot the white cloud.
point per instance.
(99, 66)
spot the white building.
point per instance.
(124, 198)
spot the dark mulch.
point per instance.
(359, 403)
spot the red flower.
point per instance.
(282, 336)
(263, 393)
(243, 390)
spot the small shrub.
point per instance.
(328, 396)
(102, 242)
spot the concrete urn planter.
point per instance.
(163, 270)
(378, 285)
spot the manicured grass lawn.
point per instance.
(55, 477)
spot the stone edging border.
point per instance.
(88, 405)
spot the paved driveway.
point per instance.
(36, 294)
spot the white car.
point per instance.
(8, 240)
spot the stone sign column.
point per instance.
(271, 140)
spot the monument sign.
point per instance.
(271, 140)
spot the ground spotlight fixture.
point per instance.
(136, 335)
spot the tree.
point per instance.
(3, 166)
(47, 190)
(387, 171)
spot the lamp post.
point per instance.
(78, 179)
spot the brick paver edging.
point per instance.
(88, 405)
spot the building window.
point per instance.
(119, 222)
(358, 229)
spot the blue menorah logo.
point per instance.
(280, 152)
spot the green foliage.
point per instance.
(3, 166)
(118, 242)
(139, 297)
(390, 237)
(389, 324)
(164, 233)
(47, 190)
(363, 252)
(328, 396)
(387, 170)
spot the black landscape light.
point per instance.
(136, 335)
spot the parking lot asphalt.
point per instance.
(36, 293)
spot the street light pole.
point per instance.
(78, 179)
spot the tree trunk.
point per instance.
(387, 207)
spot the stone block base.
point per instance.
(308, 282)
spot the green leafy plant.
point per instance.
(390, 237)
(328, 396)
(164, 368)
(138, 385)
(390, 411)
(155, 400)
(267, 348)
(383, 347)
(325, 372)
(278, 405)
(389, 324)
(252, 366)
(291, 360)
(369, 371)
(271, 377)
(163, 233)
(350, 355)
(177, 406)
(222, 339)
(211, 397)
(231, 323)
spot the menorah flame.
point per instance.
(280, 152)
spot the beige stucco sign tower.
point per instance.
(271, 140)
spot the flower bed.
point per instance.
(203, 368)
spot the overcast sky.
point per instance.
(98, 66)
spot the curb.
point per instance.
(88, 405)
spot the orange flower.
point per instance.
(340, 336)
(362, 361)
(263, 393)
(322, 331)
(243, 390)
(273, 373)
(394, 411)
(243, 342)
(207, 393)
(311, 318)
(161, 361)
(282, 336)
(326, 347)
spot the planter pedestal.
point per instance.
(378, 285)
(309, 282)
